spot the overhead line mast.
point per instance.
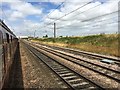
(52, 12)
(54, 30)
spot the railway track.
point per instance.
(86, 54)
(103, 70)
(71, 78)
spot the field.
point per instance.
(107, 44)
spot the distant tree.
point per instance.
(60, 36)
(46, 36)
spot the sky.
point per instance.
(26, 17)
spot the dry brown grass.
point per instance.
(88, 47)
(97, 49)
(104, 44)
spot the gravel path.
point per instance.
(29, 72)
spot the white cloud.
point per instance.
(56, 2)
(9, 1)
(25, 8)
(74, 20)
(72, 23)
(16, 15)
(20, 9)
(56, 14)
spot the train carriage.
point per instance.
(8, 44)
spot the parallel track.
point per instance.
(85, 54)
(110, 73)
(71, 78)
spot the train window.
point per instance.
(1, 56)
(0, 43)
(0, 37)
(11, 38)
(7, 38)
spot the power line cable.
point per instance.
(54, 10)
(100, 16)
(73, 11)
(96, 21)
(94, 26)
(88, 23)
(79, 13)
(69, 13)
(6, 18)
(3, 13)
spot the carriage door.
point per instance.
(1, 59)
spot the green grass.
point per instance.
(105, 44)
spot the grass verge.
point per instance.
(107, 44)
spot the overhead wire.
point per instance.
(73, 11)
(3, 13)
(6, 18)
(93, 26)
(88, 23)
(54, 10)
(78, 13)
(70, 12)
(91, 19)
(100, 16)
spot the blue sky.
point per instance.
(26, 17)
(46, 8)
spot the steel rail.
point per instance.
(55, 53)
(85, 61)
(84, 52)
(98, 86)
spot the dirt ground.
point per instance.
(29, 72)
